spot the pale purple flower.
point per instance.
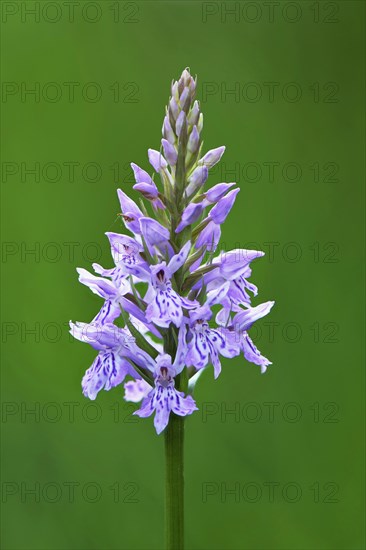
(111, 365)
(242, 323)
(234, 267)
(165, 304)
(164, 398)
(207, 344)
(109, 290)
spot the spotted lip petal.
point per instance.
(107, 371)
(164, 398)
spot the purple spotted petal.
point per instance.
(178, 259)
(107, 371)
(107, 314)
(193, 141)
(123, 248)
(182, 405)
(165, 308)
(136, 390)
(252, 354)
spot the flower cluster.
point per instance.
(172, 304)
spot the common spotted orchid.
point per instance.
(181, 304)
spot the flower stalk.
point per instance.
(174, 483)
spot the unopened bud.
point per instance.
(193, 141)
(140, 174)
(169, 152)
(174, 109)
(156, 160)
(212, 157)
(194, 114)
(184, 96)
(180, 121)
(168, 132)
(196, 180)
(175, 93)
(218, 191)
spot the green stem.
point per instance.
(174, 488)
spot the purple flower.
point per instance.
(109, 291)
(165, 304)
(242, 323)
(234, 267)
(111, 365)
(164, 398)
(207, 343)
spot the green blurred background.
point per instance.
(291, 453)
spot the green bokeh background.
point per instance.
(313, 362)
